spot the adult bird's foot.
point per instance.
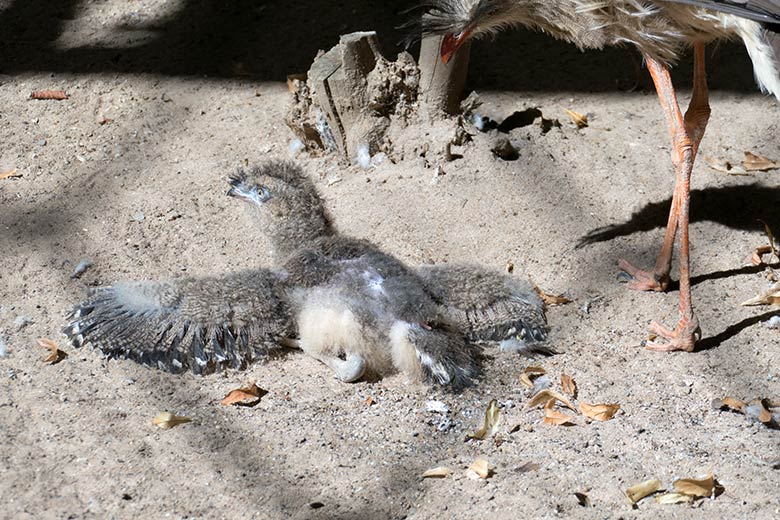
(684, 337)
(640, 280)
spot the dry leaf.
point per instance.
(599, 412)
(49, 94)
(770, 237)
(439, 472)
(551, 299)
(770, 297)
(757, 163)
(251, 392)
(723, 165)
(764, 415)
(673, 498)
(55, 354)
(732, 404)
(492, 420)
(9, 173)
(544, 396)
(554, 417)
(370, 401)
(583, 499)
(293, 79)
(568, 384)
(578, 119)
(531, 373)
(478, 470)
(758, 254)
(696, 488)
(639, 491)
(167, 420)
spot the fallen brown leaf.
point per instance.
(58, 95)
(770, 297)
(757, 163)
(167, 420)
(673, 498)
(732, 404)
(478, 470)
(292, 81)
(492, 420)
(9, 173)
(546, 395)
(551, 299)
(583, 499)
(758, 254)
(531, 373)
(724, 165)
(764, 415)
(770, 237)
(578, 119)
(251, 392)
(568, 385)
(370, 401)
(639, 491)
(439, 472)
(696, 488)
(554, 417)
(599, 412)
(55, 354)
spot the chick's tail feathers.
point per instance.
(202, 325)
(434, 353)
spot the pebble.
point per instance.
(139, 216)
(81, 267)
(22, 321)
(773, 323)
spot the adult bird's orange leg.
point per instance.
(686, 134)
(685, 143)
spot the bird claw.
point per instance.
(684, 337)
(640, 280)
(347, 370)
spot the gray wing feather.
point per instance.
(202, 325)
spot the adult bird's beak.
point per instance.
(451, 43)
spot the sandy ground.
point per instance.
(130, 172)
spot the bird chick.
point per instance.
(200, 324)
(353, 301)
(356, 307)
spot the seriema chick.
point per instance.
(354, 301)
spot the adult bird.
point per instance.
(661, 30)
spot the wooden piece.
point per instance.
(442, 83)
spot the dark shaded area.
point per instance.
(267, 40)
(738, 207)
(732, 330)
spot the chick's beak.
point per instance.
(451, 43)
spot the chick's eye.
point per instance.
(264, 193)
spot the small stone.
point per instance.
(81, 267)
(22, 321)
(139, 216)
(504, 149)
